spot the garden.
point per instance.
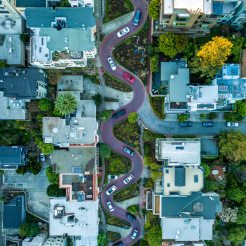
(133, 53)
(129, 192)
(117, 8)
(115, 83)
(157, 104)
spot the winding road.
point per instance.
(105, 51)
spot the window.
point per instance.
(168, 184)
(195, 178)
(167, 171)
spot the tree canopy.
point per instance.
(45, 148)
(54, 190)
(44, 104)
(212, 56)
(29, 229)
(171, 44)
(132, 117)
(154, 9)
(236, 194)
(52, 176)
(240, 108)
(237, 234)
(65, 103)
(154, 63)
(154, 235)
(105, 151)
(97, 99)
(232, 146)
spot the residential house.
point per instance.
(78, 219)
(12, 49)
(188, 213)
(11, 157)
(197, 17)
(38, 240)
(56, 241)
(17, 87)
(226, 89)
(62, 37)
(14, 214)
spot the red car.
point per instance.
(128, 77)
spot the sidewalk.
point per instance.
(129, 202)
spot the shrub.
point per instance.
(105, 151)
(132, 117)
(44, 104)
(52, 176)
(54, 190)
(29, 229)
(183, 117)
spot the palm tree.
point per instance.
(65, 103)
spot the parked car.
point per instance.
(130, 216)
(185, 124)
(134, 234)
(118, 244)
(128, 179)
(137, 17)
(232, 124)
(118, 114)
(111, 63)
(207, 124)
(128, 77)
(42, 157)
(123, 31)
(111, 190)
(110, 207)
(128, 151)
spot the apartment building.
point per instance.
(12, 49)
(197, 17)
(62, 37)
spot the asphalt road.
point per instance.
(105, 51)
(154, 124)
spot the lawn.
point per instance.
(117, 8)
(132, 53)
(129, 192)
(115, 83)
(112, 236)
(128, 133)
(157, 104)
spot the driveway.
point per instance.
(35, 186)
(154, 124)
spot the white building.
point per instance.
(39, 240)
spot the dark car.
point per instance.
(118, 114)
(185, 124)
(130, 216)
(118, 244)
(207, 124)
(137, 17)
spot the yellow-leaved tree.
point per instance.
(212, 56)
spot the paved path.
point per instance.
(129, 202)
(105, 51)
(154, 124)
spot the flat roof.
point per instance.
(75, 219)
(12, 155)
(187, 229)
(75, 158)
(179, 151)
(70, 83)
(182, 180)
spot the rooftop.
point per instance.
(178, 151)
(180, 229)
(73, 131)
(21, 83)
(75, 219)
(74, 160)
(14, 213)
(70, 83)
(70, 17)
(12, 49)
(182, 180)
(12, 156)
(198, 204)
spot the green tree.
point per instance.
(64, 3)
(45, 148)
(241, 216)
(154, 9)
(65, 103)
(105, 151)
(240, 108)
(211, 115)
(238, 46)
(237, 234)
(133, 117)
(53, 76)
(154, 235)
(211, 57)
(3, 64)
(97, 99)
(54, 190)
(154, 63)
(171, 44)
(21, 170)
(232, 146)
(102, 238)
(29, 229)
(44, 104)
(207, 169)
(53, 177)
(236, 194)
(183, 117)
(134, 209)
(232, 117)
(203, 116)
(106, 114)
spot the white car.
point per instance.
(123, 32)
(111, 190)
(110, 207)
(42, 157)
(232, 124)
(111, 63)
(128, 179)
(135, 233)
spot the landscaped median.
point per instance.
(157, 104)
